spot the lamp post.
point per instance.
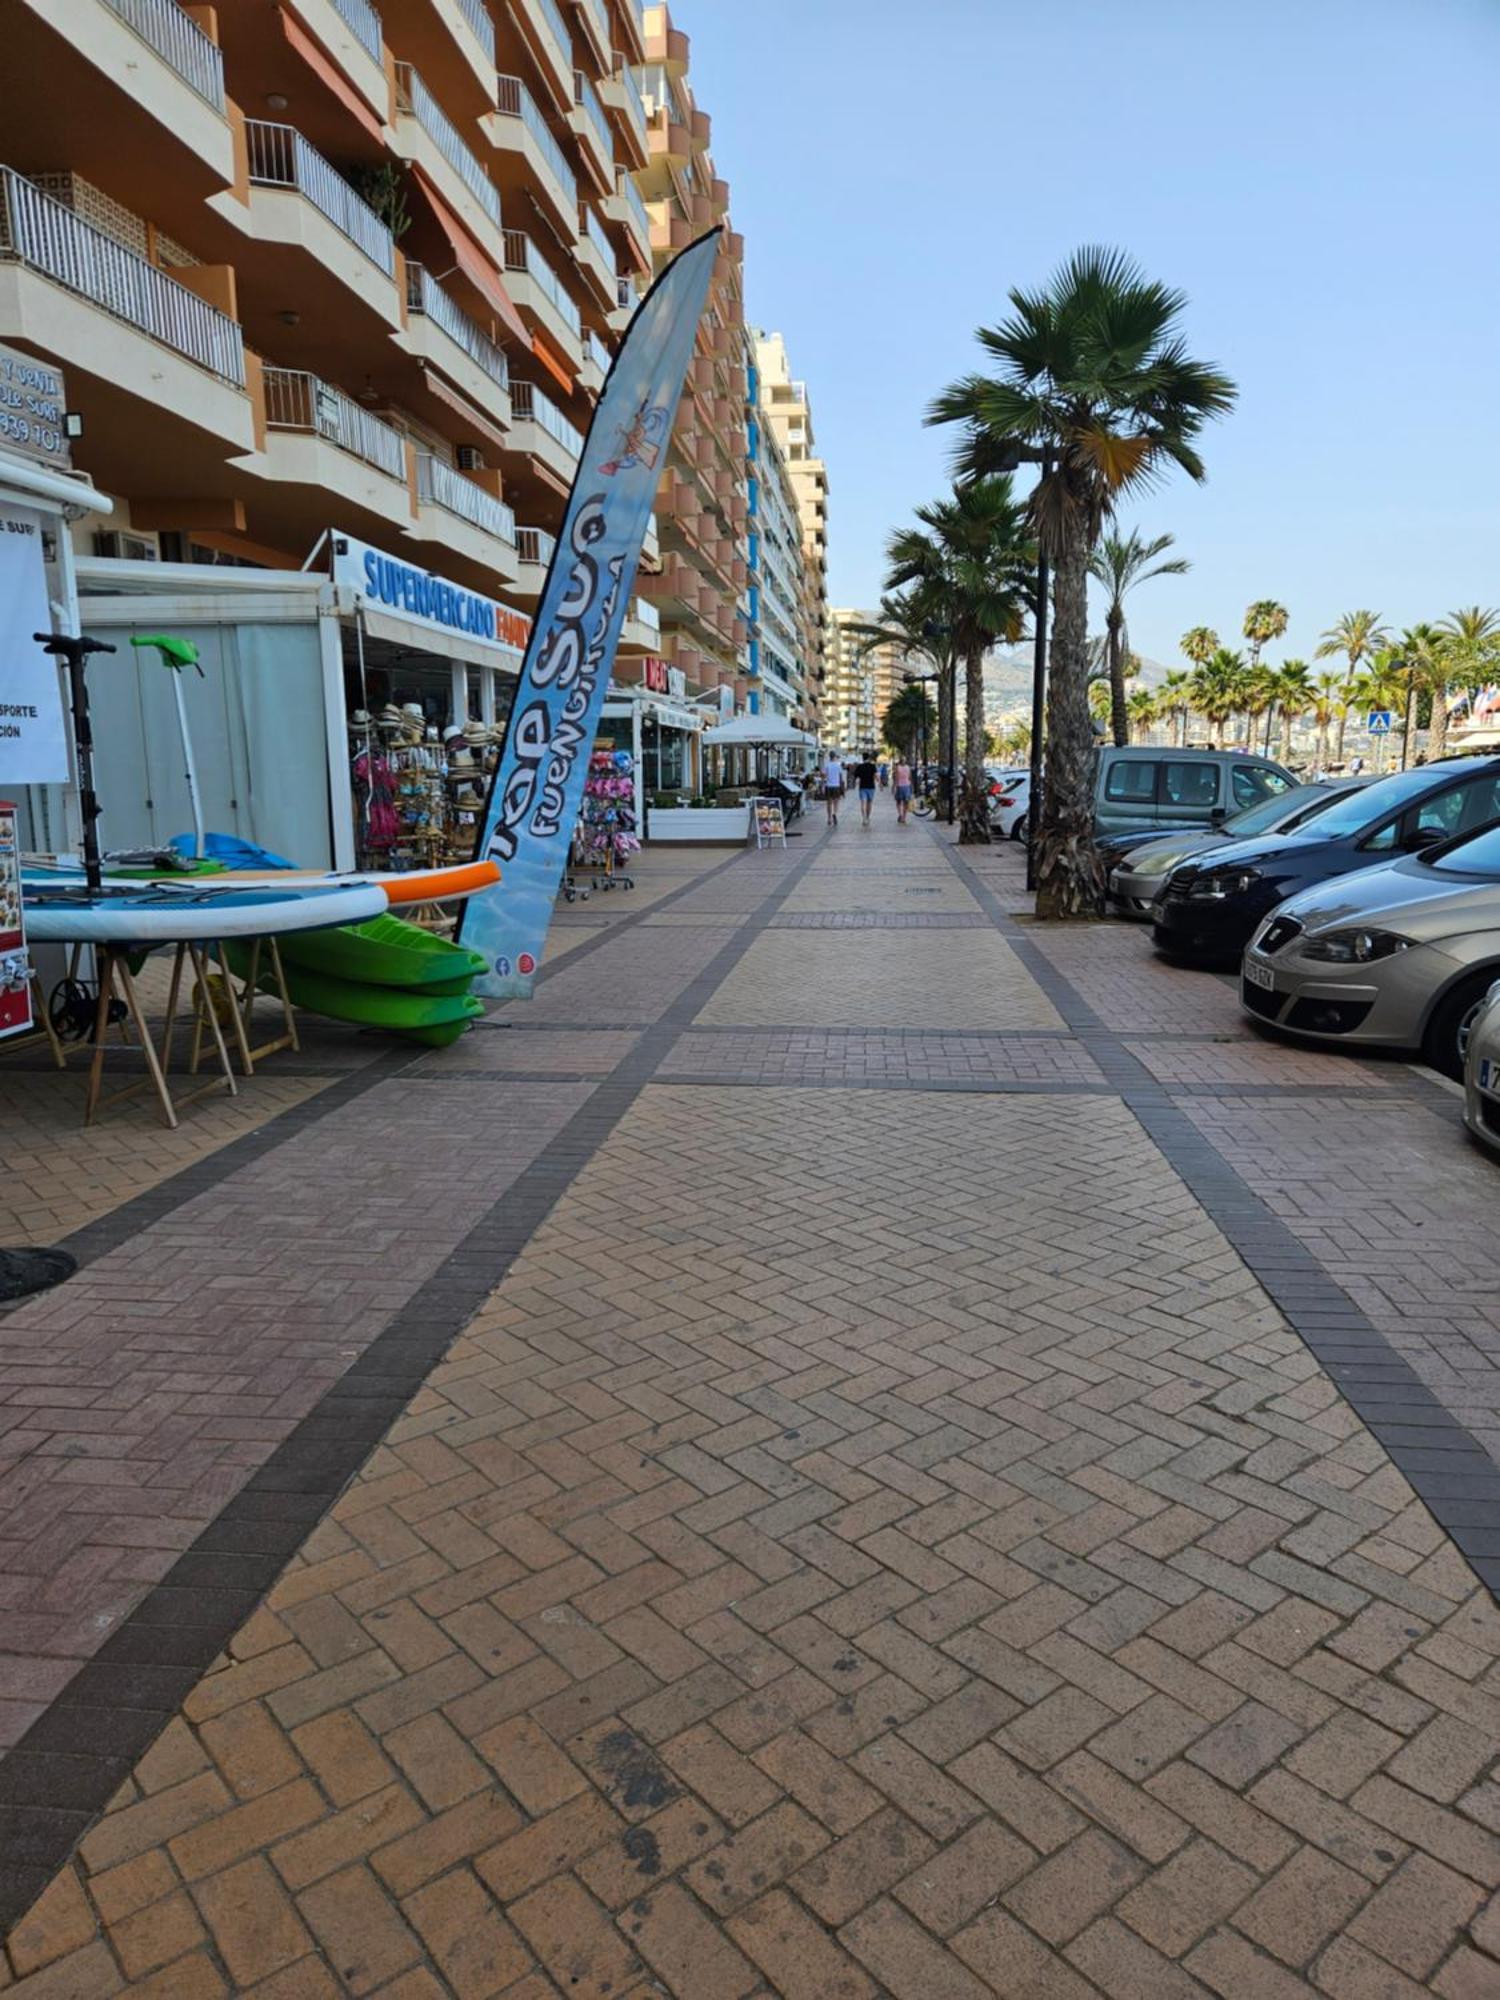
(1038, 701)
(921, 680)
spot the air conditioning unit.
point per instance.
(120, 547)
(470, 458)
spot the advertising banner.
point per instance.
(15, 966)
(538, 789)
(33, 740)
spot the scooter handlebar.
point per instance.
(58, 642)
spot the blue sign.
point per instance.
(1380, 721)
(537, 792)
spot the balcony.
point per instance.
(670, 141)
(621, 96)
(47, 238)
(551, 43)
(441, 486)
(537, 290)
(626, 209)
(589, 123)
(596, 258)
(626, 300)
(477, 15)
(179, 41)
(443, 333)
(297, 401)
(667, 48)
(534, 547)
(432, 141)
(596, 362)
(593, 17)
(281, 158)
(542, 430)
(518, 128)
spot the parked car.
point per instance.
(1137, 864)
(1209, 908)
(1482, 1072)
(1140, 789)
(1008, 806)
(1395, 957)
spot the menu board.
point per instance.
(767, 823)
(15, 966)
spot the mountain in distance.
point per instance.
(1007, 679)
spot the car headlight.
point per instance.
(1151, 864)
(1221, 883)
(1359, 947)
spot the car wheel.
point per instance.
(1447, 1038)
(1018, 830)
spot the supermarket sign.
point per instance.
(392, 585)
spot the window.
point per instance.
(1253, 782)
(1467, 806)
(1191, 784)
(1132, 782)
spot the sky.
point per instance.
(1318, 176)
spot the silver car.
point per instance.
(1482, 1072)
(1395, 957)
(1135, 881)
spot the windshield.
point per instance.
(1479, 856)
(1269, 813)
(1363, 808)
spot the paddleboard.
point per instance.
(59, 912)
(417, 885)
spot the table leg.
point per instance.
(105, 963)
(148, 1047)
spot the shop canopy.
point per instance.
(756, 732)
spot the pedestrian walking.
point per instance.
(833, 785)
(885, 774)
(864, 778)
(901, 780)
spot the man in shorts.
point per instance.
(901, 779)
(865, 772)
(833, 785)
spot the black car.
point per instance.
(1210, 906)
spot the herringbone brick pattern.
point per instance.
(873, 979)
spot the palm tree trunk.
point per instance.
(1338, 739)
(1119, 714)
(974, 810)
(1067, 864)
(1437, 735)
(944, 706)
(1409, 724)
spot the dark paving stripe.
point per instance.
(1445, 1464)
(60, 1775)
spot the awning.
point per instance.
(755, 732)
(442, 645)
(24, 483)
(452, 397)
(472, 261)
(553, 362)
(328, 75)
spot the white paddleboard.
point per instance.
(174, 913)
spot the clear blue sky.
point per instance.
(1320, 177)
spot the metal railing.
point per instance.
(438, 482)
(179, 41)
(363, 23)
(521, 254)
(297, 401)
(425, 295)
(549, 13)
(644, 612)
(478, 17)
(630, 194)
(626, 75)
(47, 236)
(598, 13)
(587, 99)
(531, 406)
(597, 352)
(535, 545)
(516, 101)
(413, 97)
(593, 228)
(281, 158)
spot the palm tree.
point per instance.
(1382, 685)
(1265, 620)
(1469, 654)
(1095, 384)
(1199, 645)
(1144, 710)
(1327, 706)
(1175, 704)
(1358, 635)
(908, 719)
(1292, 689)
(970, 565)
(1418, 661)
(1218, 688)
(1119, 563)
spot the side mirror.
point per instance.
(1218, 813)
(1423, 836)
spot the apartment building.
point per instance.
(781, 680)
(864, 677)
(700, 590)
(788, 413)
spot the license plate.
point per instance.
(1489, 1075)
(1259, 975)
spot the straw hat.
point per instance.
(468, 800)
(461, 760)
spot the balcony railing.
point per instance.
(297, 401)
(438, 482)
(516, 101)
(425, 295)
(179, 41)
(281, 158)
(535, 545)
(363, 23)
(644, 612)
(587, 99)
(598, 13)
(48, 237)
(626, 75)
(593, 228)
(531, 406)
(413, 97)
(478, 17)
(630, 194)
(548, 10)
(521, 254)
(597, 352)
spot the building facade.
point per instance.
(788, 414)
(864, 677)
(781, 680)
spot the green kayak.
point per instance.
(420, 1013)
(386, 951)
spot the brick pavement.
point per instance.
(882, 1541)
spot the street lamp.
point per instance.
(921, 680)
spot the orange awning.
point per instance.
(436, 387)
(472, 261)
(328, 75)
(553, 362)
